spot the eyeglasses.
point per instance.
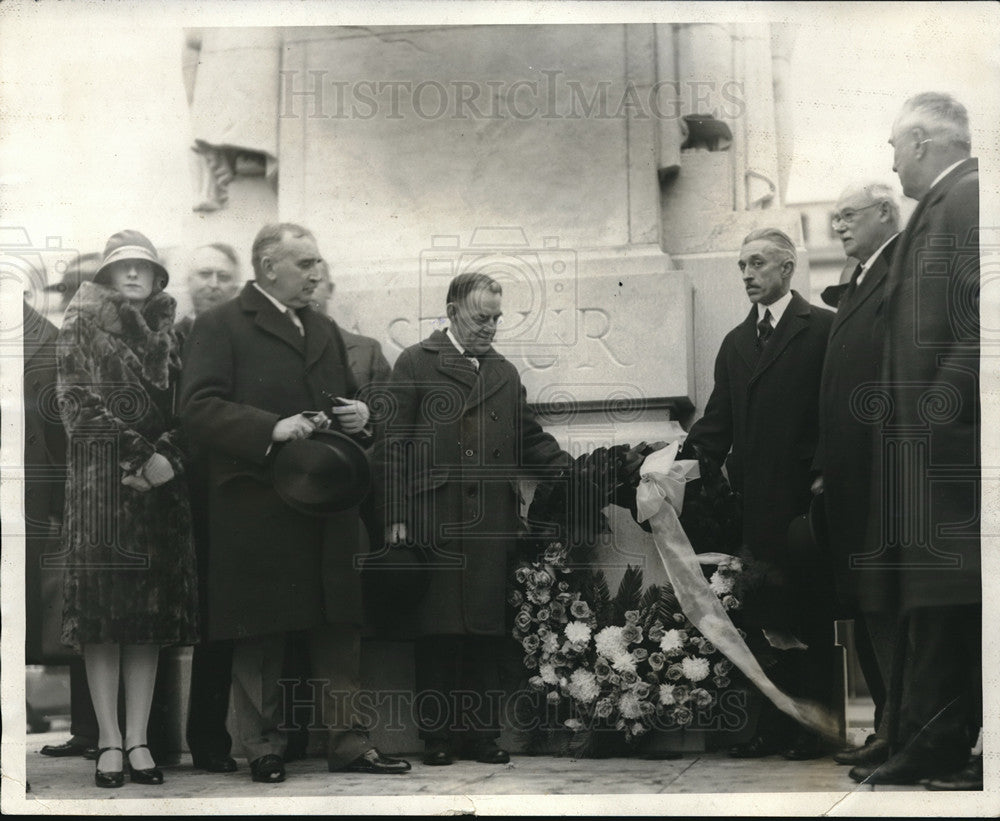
(847, 217)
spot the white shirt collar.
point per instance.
(285, 309)
(777, 308)
(944, 173)
(459, 348)
(871, 260)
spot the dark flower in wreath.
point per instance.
(629, 677)
(632, 633)
(722, 667)
(562, 586)
(683, 716)
(522, 621)
(615, 680)
(531, 662)
(543, 615)
(721, 682)
(580, 609)
(539, 595)
(641, 689)
(516, 598)
(702, 698)
(542, 578)
(564, 598)
(675, 672)
(707, 647)
(521, 574)
(558, 610)
(657, 631)
(530, 642)
(553, 697)
(681, 693)
(602, 670)
(631, 616)
(640, 654)
(679, 617)
(604, 708)
(730, 602)
(657, 660)
(647, 708)
(536, 683)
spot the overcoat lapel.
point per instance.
(793, 322)
(491, 379)
(746, 339)
(269, 319)
(317, 335)
(872, 283)
(449, 361)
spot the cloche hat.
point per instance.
(129, 244)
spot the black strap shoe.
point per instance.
(268, 769)
(148, 775)
(108, 778)
(374, 763)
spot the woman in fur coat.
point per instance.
(130, 568)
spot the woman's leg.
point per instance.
(102, 664)
(139, 671)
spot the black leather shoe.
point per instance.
(805, 747)
(970, 777)
(73, 747)
(149, 775)
(110, 778)
(492, 754)
(375, 763)
(904, 767)
(215, 763)
(268, 769)
(757, 747)
(872, 754)
(438, 756)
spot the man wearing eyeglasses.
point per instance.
(925, 548)
(762, 420)
(867, 221)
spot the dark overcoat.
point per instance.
(846, 433)
(453, 446)
(763, 420)
(128, 555)
(925, 549)
(270, 568)
(44, 484)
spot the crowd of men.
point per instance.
(869, 415)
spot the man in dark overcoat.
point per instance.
(924, 550)
(762, 420)
(459, 435)
(252, 367)
(867, 221)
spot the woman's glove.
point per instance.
(158, 470)
(136, 482)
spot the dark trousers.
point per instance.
(82, 720)
(208, 703)
(459, 688)
(941, 706)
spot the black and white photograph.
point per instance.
(500, 408)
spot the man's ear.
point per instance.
(449, 310)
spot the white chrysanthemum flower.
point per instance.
(610, 642)
(666, 694)
(695, 669)
(578, 632)
(624, 662)
(629, 706)
(548, 673)
(584, 687)
(550, 644)
(672, 641)
(721, 585)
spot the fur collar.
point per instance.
(146, 329)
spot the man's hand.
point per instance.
(817, 485)
(395, 533)
(636, 456)
(293, 427)
(351, 414)
(157, 470)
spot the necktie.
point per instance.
(764, 329)
(296, 321)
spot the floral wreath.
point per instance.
(632, 662)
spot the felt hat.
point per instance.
(325, 473)
(129, 244)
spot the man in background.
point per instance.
(867, 221)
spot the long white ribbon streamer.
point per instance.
(659, 499)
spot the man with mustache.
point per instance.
(254, 368)
(459, 436)
(762, 420)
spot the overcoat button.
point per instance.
(471, 490)
(469, 453)
(493, 415)
(496, 453)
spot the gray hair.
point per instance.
(270, 236)
(877, 191)
(940, 115)
(778, 238)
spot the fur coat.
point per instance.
(128, 554)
